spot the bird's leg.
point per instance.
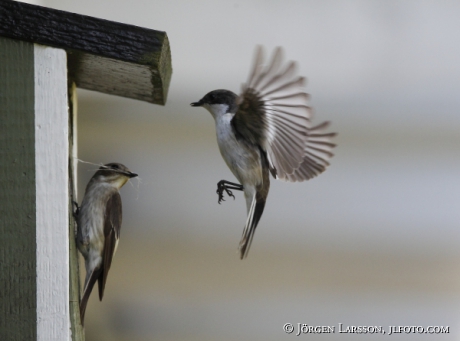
(77, 210)
(224, 185)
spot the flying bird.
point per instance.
(266, 129)
(98, 226)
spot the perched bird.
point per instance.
(266, 129)
(99, 224)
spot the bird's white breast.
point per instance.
(244, 162)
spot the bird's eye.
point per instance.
(115, 167)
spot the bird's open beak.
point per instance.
(196, 104)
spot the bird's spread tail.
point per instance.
(255, 212)
(89, 284)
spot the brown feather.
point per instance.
(273, 113)
(112, 226)
(249, 120)
(89, 287)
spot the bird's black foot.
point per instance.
(224, 185)
(76, 212)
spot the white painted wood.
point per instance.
(52, 195)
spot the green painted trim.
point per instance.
(18, 297)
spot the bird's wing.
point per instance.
(318, 151)
(274, 114)
(112, 227)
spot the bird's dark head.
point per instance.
(115, 174)
(218, 102)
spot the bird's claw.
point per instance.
(77, 209)
(221, 196)
(230, 193)
(220, 192)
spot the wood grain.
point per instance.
(18, 299)
(52, 194)
(105, 56)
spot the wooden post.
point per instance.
(74, 285)
(42, 51)
(34, 192)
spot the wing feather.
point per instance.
(112, 228)
(287, 73)
(256, 66)
(286, 89)
(273, 112)
(272, 68)
(318, 151)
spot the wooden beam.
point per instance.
(105, 56)
(34, 192)
(52, 192)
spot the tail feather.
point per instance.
(87, 291)
(255, 212)
(101, 285)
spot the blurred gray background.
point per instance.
(374, 241)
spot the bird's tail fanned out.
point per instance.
(255, 212)
(89, 284)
